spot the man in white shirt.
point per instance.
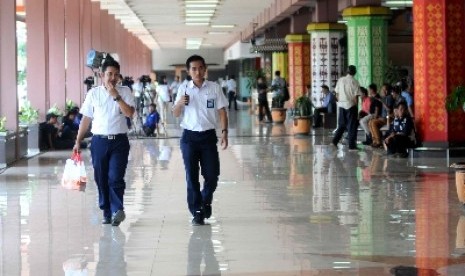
(174, 87)
(347, 92)
(202, 104)
(108, 106)
(232, 92)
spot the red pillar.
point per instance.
(37, 55)
(432, 221)
(439, 39)
(111, 34)
(74, 77)
(104, 31)
(57, 74)
(299, 64)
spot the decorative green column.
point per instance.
(367, 31)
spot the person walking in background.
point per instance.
(108, 106)
(347, 92)
(263, 107)
(278, 84)
(203, 104)
(232, 92)
(163, 99)
(174, 87)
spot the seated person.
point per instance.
(152, 120)
(51, 135)
(366, 102)
(70, 128)
(328, 105)
(398, 137)
(375, 125)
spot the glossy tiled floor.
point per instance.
(284, 206)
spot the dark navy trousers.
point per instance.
(200, 153)
(110, 159)
(347, 120)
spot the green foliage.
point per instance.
(3, 124)
(55, 110)
(393, 73)
(252, 76)
(277, 101)
(69, 105)
(27, 114)
(456, 99)
(303, 107)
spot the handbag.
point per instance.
(74, 174)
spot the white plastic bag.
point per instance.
(74, 174)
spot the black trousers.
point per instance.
(347, 120)
(200, 153)
(264, 109)
(232, 98)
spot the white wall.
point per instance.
(163, 58)
(238, 51)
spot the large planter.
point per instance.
(22, 140)
(278, 115)
(32, 138)
(7, 148)
(302, 125)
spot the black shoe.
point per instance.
(198, 219)
(106, 220)
(118, 217)
(207, 210)
(366, 143)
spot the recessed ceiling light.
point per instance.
(201, 1)
(201, 5)
(222, 26)
(200, 11)
(199, 15)
(218, 33)
(198, 19)
(197, 23)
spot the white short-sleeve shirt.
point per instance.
(347, 89)
(107, 117)
(202, 112)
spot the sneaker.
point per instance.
(106, 220)
(118, 217)
(198, 219)
(207, 210)
(353, 149)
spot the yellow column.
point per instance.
(280, 63)
(299, 63)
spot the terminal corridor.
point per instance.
(285, 205)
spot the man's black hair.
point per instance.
(109, 62)
(50, 115)
(194, 58)
(352, 70)
(277, 73)
(373, 87)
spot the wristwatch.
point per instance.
(117, 98)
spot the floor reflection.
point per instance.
(201, 258)
(111, 252)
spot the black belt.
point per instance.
(111, 137)
(204, 131)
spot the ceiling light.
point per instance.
(200, 5)
(201, 11)
(217, 33)
(223, 26)
(199, 15)
(201, 1)
(197, 23)
(198, 19)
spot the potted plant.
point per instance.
(302, 113)
(7, 144)
(456, 99)
(69, 105)
(28, 117)
(55, 110)
(278, 112)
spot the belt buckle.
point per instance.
(111, 137)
